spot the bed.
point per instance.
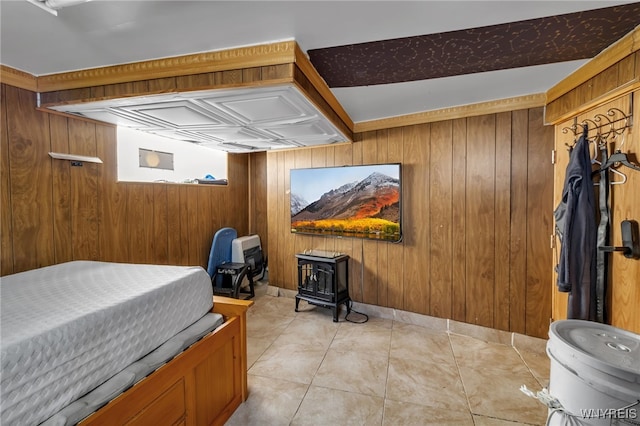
(109, 343)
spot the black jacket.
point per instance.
(576, 221)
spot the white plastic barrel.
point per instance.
(595, 372)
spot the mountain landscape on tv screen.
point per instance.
(369, 208)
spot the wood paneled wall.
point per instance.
(584, 102)
(258, 223)
(476, 211)
(53, 212)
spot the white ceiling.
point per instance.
(100, 33)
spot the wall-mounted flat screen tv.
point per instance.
(348, 201)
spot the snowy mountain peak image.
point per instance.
(368, 207)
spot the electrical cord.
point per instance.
(569, 419)
(350, 302)
(351, 311)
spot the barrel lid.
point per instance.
(604, 344)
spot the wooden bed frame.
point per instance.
(201, 386)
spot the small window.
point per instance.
(155, 159)
(144, 157)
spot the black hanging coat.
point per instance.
(576, 221)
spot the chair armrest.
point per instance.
(230, 307)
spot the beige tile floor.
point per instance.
(304, 369)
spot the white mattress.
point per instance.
(67, 328)
(92, 401)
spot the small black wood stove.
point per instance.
(323, 280)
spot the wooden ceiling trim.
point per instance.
(17, 78)
(622, 48)
(482, 108)
(223, 60)
(305, 66)
(316, 99)
(181, 84)
(556, 114)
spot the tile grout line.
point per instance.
(267, 348)
(386, 382)
(315, 373)
(464, 388)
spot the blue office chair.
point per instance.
(226, 276)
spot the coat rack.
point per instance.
(613, 124)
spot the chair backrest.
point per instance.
(221, 248)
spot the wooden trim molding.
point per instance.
(620, 91)
(608, 57)
(321, 86)
(242, 57)
(482, 108)
(17, 78)
(46, 104)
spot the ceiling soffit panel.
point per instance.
(178, 114)
(311, 130)
(242, 112)
(560, 38)
(269, 106)
(235, 120)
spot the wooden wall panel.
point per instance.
(440, 223)
(458, 221)
(282, 263)
(84, 192)
(357, 263)
(480, 220)
(416, 220)
(272, 211)
(175, 242)
(204, 223)
(559, 300)
(624, 288)
(466, 236)
(289, 247)
(236, 196)
(6, 221)
(135, 223)
(384, 268)
(61, 185)
(160, 235)
(502, 221)
(54, 212)
(193, 221)
(113, 200)
(518, 225)
(370, 259)
(258, 199)
(539, 225)
(147, 226)
(30, 180)
(395, 278)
